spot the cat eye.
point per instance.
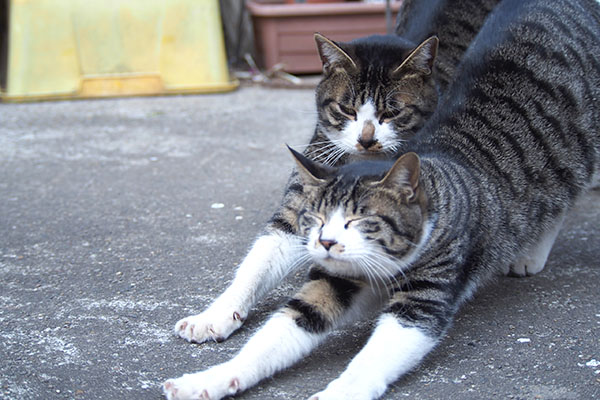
(347, 224)
(388, 116)
(346, 111)
(314, 218)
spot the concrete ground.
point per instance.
(111, 229)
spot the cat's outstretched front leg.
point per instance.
(289, 335)
(412, 324)
(270, 259)
(392, 350)
(278, 344)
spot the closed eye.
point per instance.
(388, 116)
(353, 220)
(346, 111)
(315, 218)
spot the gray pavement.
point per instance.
(109, 235)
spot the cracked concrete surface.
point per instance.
(108, 236)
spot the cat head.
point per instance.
(363, 220)
(376, 91)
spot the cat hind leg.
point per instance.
(533, 260)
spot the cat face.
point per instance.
(376, 92)
(363, 220)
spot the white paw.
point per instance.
(213, 384)
(216, 323)
(527, 266)
(338, 390)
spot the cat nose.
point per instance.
(327, 243)
(367, 136)
(366, 143)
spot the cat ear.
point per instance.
(332, 54)
(404, 174)
(311, 172)
(422, 58)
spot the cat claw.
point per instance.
(209, 325)
(213, 384)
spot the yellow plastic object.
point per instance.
(96, 48)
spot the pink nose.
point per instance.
(327, 243)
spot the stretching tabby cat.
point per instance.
(500, 163)
(375, 94)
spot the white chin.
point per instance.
(338, 268)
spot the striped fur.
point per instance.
(501, 162)
(377, 90)
(486, 183)
(498, 166)
(455, 23)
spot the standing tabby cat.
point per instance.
(375, 94)
(500, 163)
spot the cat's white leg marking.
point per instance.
(391, 351)
(533, 260)
(270, 259)
(277, 345)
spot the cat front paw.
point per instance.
(526, 266)
(213, 384)
(215, 324)
(341, 390)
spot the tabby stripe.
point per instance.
(326, 124)
(386, 247)
(585, 147)
(327, 102)
(280, 223)
(483, 154)
(372, 230)
(403, 118)
(458, 188)
(567, 31)
(499, 66)
(296, 188)
(354, 197)
(547, 54)
(392, 225)
(413, 316)
(467, 26)
(539, 137)
(426, 301)
(420, 285)
(551, 120)
(499, 130)
(584, 31)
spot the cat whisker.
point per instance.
(304, 259)
(372, 269)
(334, 157)
(333, 154)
